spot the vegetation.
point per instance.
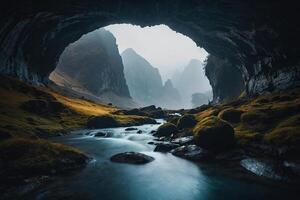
(29, 113)
(214, 134)
(30, 122)
(166, 129)
(27, 157)
(186, 121)
(269, 119)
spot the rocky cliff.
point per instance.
(92, 65)
(261, 38)
(145, 83)
(191, 80)
(225, 79)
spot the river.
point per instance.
(166, 178)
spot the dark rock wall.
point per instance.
(260, 37)
(94, 61)
(225, 78)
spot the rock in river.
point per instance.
(265, 168)
(183, 140)
(192, 152)
(165, 147)
(131, 158)
(131, 129)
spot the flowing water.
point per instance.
(166, 178)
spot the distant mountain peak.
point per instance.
(129, 51)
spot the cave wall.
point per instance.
(261, 38)
(225, 78)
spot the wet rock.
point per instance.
(184, 140)
(214, 134)
(102, 122)
(186, 121)
(166, 130)
(192, 152)
(100, 134)
(161, 139)
(151, 143)
(139, 132)
(152, 132)
(294, 166)
(165, 147)
(265, 168)
(131, 129)
(131, 158)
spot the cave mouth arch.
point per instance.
(252, 36)
(171, 65)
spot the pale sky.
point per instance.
(164, 48)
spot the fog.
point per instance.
(164, 48)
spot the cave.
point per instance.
(252, 36)
(55, 144)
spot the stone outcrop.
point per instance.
(260, 38)
(145, 83)
(92, 67)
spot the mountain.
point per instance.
(92, 66)
(145, 82)
(191, 80)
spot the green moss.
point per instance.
(25, 157)
(167, 129)
(214, 134)
(231, 115)
(256, 120)
(186, 121)
(287, 132)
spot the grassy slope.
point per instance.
(18, 122)
(23, 153)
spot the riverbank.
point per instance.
(167, 177)
(30, 116)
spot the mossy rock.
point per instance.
(166, 130)
(231, 115)
(256, 120)
(214, 134)
(27, 157)
(173, 120)
(186, 121)
(286, 133)
(105, 121)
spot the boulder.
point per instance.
(131, 129)
(166, 130)
(105, 121)
(131, 158)
(165, 147)
(139, 132)
(192, 152)
(265, 168)
(214, 134)
(186, 121)
(100, 134)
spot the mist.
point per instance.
(165, 49)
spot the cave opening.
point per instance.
(132, 66)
